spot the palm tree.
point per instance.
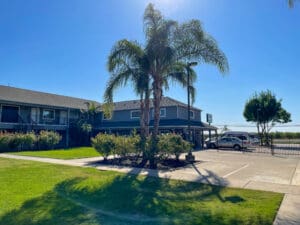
(88, 118)
(169, 47)
(128, 62)
(169, 44)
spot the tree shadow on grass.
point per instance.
(123, 199)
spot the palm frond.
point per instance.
(192, 43)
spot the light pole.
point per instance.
(189, 157)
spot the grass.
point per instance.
(34, 193)
(70, 153)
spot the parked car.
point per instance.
(226, 142)
(254, 139)
(244, 136)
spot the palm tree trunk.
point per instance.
(157, 94)
(142, 119)
(147, 112)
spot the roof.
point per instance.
(135, 104)
(19, 95)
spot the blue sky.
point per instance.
(62, 47)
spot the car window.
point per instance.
(242, 137)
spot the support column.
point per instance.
(68, 129)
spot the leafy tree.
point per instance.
(265, 110)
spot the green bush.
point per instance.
(4, 141)
(48, 139)
(172, 144)
(126, 145)
(17, 141)
(28, 140)
(104, 144)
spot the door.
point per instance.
(34, 115)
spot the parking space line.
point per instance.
(235, 171)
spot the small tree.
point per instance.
(104, 144)
(265, 110)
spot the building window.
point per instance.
(163, 112)
(192, 115)
(34, 115)
(10, 114)
(48, 114)
(136, 114)
(63, 117)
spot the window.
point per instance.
(10, 114)
(34, 115)
(63, 117)
(162, 112)
(48, 114)
(192, 115)
(135, 114)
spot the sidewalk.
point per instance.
(231, 169)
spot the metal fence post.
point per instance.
(272, 146)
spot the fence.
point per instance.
(278, 147)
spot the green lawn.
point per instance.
(70, 153)
(35, 193)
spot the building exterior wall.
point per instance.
(182, 113)
(125, 115)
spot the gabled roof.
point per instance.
(12, 94)
(135, 104)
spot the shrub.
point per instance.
(17, 141)
(126, 145)
(48, 139)
(104, 144)
(172, 144)
(4, 141)
(28, 140)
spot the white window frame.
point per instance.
(19, 110)
(192, 116)
(48, 119)
(134, 117)
(163, 108)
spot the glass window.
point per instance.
(191, 114)
(135, 114)
(10, 114)
(63, 117)
(162, 112)
(48, 114)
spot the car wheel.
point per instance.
(237, 147)
(213, 146)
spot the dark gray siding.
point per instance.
(125, 115)
(182, 113)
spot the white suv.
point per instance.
(226, 142)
